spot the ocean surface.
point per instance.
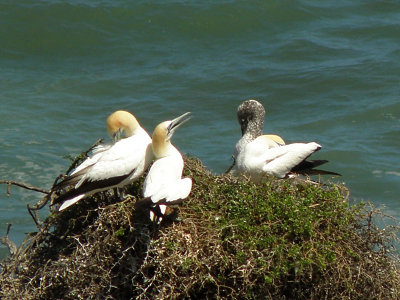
(326, 71)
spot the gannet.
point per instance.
(110, 166)
(164, 184)
(250, 115)
(258, 155)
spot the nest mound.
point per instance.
(284, 239)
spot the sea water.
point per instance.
(325, 71)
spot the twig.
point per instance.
(23, 185)
(9, 243)
(41, 203)
(231, 166)
(34, 215)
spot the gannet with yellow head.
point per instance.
(110, 166)
(164, 184)
(258, 155)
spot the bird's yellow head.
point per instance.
(163, 132)
(275, 138)
(121, 122)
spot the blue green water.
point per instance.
(325, 71)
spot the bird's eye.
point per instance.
(242, 120)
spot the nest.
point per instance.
(283, 239)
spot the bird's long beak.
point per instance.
(175, 123)
(118, 135)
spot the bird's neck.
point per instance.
(241, 144)
(249, 134)
(140, 130)
(162, 148)
(133, 130)
(253, 130)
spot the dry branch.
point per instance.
(5, 240)
(23, 185)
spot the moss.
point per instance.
(283, 239)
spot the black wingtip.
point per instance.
(307, 167)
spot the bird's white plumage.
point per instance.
(263, 157)
(95, 156)
(127, 159)
(164, 184)
(269, 141)
(122, 158)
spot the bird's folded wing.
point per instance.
(280, 160)
(118, 160)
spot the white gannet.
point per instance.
(110, 166)
(258, 155)
(164, 184)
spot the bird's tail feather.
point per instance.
(306, 167)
